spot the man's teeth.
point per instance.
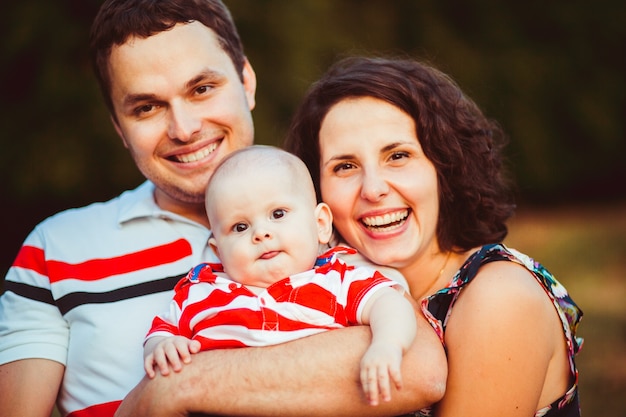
(196, 156)
(385, 220)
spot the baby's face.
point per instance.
(264, 227)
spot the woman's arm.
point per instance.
(506, 348)
(313, 376)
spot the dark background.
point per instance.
(552, 72)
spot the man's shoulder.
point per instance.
(97, 212)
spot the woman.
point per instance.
(412, 171)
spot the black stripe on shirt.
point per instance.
(28, 291)
(76, 299)
(72, 300)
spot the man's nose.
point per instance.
(182, 124)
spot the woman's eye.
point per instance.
(399, 155)
(240, 227)
(279, 213)
(343, 166)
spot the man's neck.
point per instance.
(192, 211)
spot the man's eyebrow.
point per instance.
(133, 99)
(205, 75)
(208, 75)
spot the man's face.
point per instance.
(181, 107)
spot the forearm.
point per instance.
(29, 387)
(392, 319)
(315, 376)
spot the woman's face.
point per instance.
(379, 184)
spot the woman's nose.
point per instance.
(374, 186)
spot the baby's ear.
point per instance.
(213, 245)
(324, 222)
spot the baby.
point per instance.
(272, 287)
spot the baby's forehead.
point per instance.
(260, 164)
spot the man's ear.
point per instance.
(324, 222)
(249, 83)
(118, 129)
(213, 246)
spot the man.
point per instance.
(83, 289)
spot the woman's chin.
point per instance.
(385, 258)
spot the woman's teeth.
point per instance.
(385, 221)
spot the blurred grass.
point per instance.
(585, 248)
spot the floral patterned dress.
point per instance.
(438, 308)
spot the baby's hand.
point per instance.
(380, 363)
(169, 352)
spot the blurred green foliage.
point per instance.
(551, 72)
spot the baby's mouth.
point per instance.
(270, 254)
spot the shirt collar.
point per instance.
(140, 203)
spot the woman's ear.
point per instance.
(324, 222)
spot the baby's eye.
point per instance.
(278, 213)
(240, 227)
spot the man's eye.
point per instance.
(145, 109)
(203, 89)
(240, 227)
(279, 213)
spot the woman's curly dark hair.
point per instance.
(464, 146)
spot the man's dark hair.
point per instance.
(118, 20)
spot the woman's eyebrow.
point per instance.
(339, 157)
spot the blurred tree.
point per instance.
(551, 72)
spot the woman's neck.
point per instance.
(433, 272)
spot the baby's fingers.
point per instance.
(375, 383)
(369, 382)
(171, 358)
(148, 364)
(396, 375)
(384, 384)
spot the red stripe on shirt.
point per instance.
(357, 291)
(98, 410)
(33, 258)
(30, 257)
